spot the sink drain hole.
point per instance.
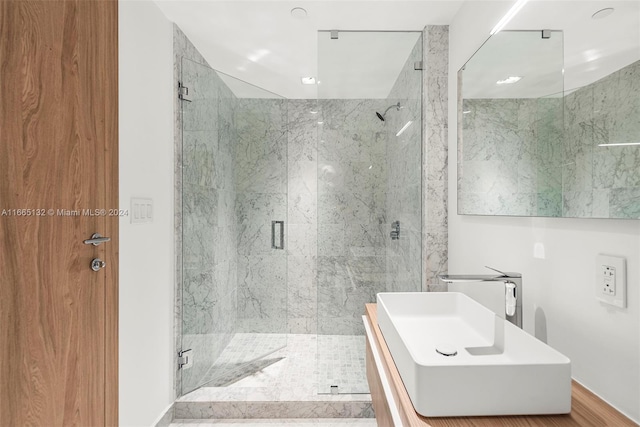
(446, 350)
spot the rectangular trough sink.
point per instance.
(458, 358)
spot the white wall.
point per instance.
(146, 250)
(603, 342)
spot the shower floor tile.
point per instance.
(304, 369)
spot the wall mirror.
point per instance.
(531, 143)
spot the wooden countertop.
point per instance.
(587, 409)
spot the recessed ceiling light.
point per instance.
(603, 13)
(299, 13)
(509, 80)
(308, 80)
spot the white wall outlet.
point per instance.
(141, 210)
(611, 280)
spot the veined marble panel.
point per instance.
(435, 153)
(303, 117)
(302, 288)
(261, 147)
(262, 292)
(255, 213)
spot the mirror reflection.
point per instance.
(528, 146)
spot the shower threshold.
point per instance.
(287, 382)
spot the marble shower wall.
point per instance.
(260, 168)
(512, 157)
(206, 221)
(302, 229)
(352, 224)
(404, 178)
(603, 181)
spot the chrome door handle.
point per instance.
(96, 239)
(97, 264)
(273, 235)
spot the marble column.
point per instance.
(435, 154)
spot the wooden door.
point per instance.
(58, 169)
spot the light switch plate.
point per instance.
(141, 210)
(611, 280)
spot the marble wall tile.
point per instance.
(261, 146)
(332, 239)
(262, 292)
(303, 117)
(255, 213)
(302, 240)
(302, 287)
(302, 198)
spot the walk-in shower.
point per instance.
(286, 209)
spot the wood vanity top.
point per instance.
(587, 409)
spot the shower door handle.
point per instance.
(280, 245)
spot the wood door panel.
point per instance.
(58, 151)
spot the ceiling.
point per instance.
(362, 65)
(262, 43)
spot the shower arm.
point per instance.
(390, 107)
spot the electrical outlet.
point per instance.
(611, 280)
(608, 280)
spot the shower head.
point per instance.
(383, 115)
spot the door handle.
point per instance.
(96, 239)
(273, 235)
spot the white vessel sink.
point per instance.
(498, 369)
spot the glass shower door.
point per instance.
(234, 213)
(369, 178)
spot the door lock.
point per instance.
(97, 264)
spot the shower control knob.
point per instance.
(97, 264)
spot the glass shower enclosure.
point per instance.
(369, 192)
(234, 213)
(295, 214)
